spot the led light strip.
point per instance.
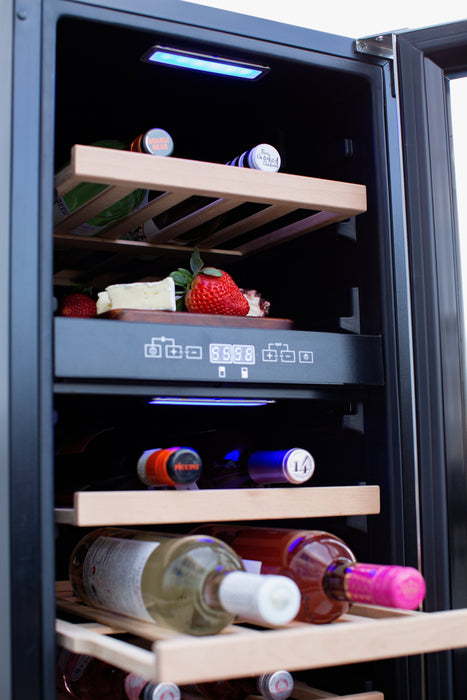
(208, 64)
(196, 401)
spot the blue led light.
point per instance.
(196, 401)
(295, 543)
(234, 456)
(207, 64)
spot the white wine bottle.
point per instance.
(195, 584)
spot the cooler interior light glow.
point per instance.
(201, 62)
(197, 401)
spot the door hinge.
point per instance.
(380, 45)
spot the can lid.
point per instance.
(264, 157)
(276, 686)
(157, 142)
(260, 598)
(171, 466)
(298, 465)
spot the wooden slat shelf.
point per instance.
(96, 508)
(326, 201)
(239, 651)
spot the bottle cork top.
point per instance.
(162, 691)
(276, 686)
(171, 466)
(260, 598)
(392, 586)
(157, 142)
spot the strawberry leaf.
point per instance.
(180, 302)
(181, 277)
(212, 271)
(196, 264)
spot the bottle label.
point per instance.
(73, 665)
(129, 204)
(112, 573)
(61, 211)
(252, 566)
(134, 684)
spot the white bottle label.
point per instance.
(252, 566)
(112, 573)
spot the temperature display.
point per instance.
(220, 353)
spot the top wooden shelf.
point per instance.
(177, 179)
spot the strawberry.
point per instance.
(208, 290)
(78, 305)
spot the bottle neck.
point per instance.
(334, 579)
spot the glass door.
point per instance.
(430, 64)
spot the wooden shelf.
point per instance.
(323, 201)
(96, 508)
(369, 633)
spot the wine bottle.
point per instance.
(156, 141)
(264, 157)
(110, 459)
(272, 686)
(324, 568)
(195, 584)
(84, 677)
(173, 466)
(259, 467)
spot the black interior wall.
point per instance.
(321, 120)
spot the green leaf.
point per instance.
(196, 264)
(212, 271)
(181, 277)
(180, 302)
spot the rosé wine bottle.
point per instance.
(323, 567)
(86, 678)
(271, 686)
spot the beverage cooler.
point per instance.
(353, 243)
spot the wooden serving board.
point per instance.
(185, 318)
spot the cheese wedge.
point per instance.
(153, 296)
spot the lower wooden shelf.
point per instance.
(300, 692)
(369, 633)
(96, 508)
